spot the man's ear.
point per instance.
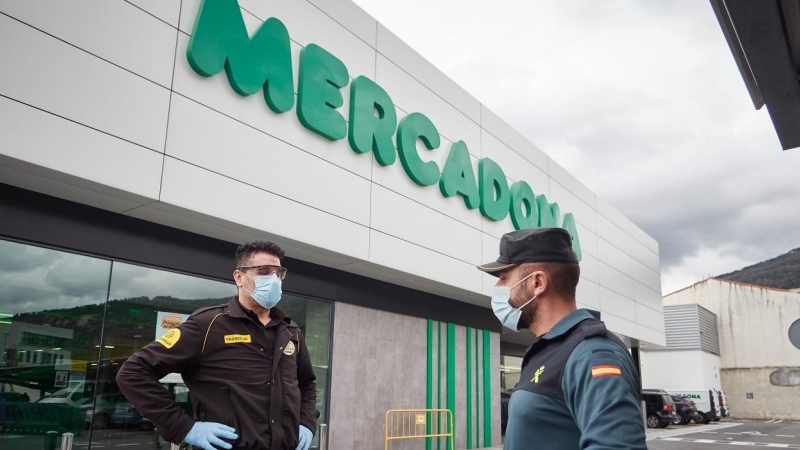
(541, 283)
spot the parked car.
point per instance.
(686, 409)
(72, 395)
(660, 409)
(98, 413)
(125, 415)
(704, 399)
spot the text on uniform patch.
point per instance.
(237, 338)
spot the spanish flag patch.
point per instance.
(606, 371)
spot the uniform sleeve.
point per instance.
(601, 390)
(306, 380)
(139, 378)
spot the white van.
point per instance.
(705, 400)
(72, 395)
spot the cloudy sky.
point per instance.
(641, 100)
(35, 279)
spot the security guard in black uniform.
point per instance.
(245, 363)
(579, 388)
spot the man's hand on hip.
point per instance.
(206, 435)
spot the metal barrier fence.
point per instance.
(417, 424)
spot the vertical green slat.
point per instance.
(477, 390)
(469, 387)
(439, 391)
(451, 377)
(429, 387)
(487, 390)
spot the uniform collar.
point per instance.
(569, 321)
(235, 309)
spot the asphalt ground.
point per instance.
(743, 433)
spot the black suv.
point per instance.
(660, 408)
(686, 410)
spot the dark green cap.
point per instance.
(532, 245)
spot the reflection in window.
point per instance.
(51, 311)
(142, 301)
(59, 360)
(510, 368)
(137, 296)
(314, 319)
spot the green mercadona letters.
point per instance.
(220, 40)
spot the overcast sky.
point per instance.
(36, 279)
(641, 101)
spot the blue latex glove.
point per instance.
(306, 436)
(207, 434)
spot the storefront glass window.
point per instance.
(510, 368)
(314, 319)
(51, 304)
(143, 304)
(60, 357)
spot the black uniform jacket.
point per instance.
(224, 355)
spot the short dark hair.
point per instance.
(246, 251)
(563, 276)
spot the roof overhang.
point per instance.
(764, 38)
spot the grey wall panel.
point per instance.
(709, 334)
(690, 327)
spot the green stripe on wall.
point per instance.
(469, 387)
(477, 390)
(451, 377)
(429, 384)
(487, 390)
(439, 380)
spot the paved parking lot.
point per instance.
(747, 433)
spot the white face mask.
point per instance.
(267, 291)
(505, 313)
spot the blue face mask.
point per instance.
(268, 290)
(505, 313)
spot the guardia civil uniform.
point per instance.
(578, 390)
(579, 387)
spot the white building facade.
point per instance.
(159, 134)
(759, 367)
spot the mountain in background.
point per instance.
(782, 272)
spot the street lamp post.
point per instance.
(5, 338)
(135, 343)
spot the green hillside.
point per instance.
(782, 272)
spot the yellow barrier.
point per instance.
(416, 423)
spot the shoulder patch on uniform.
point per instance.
(237, 339)
(170, 338)
(606, 371)
(289, 350)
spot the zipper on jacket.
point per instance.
(230, 405)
